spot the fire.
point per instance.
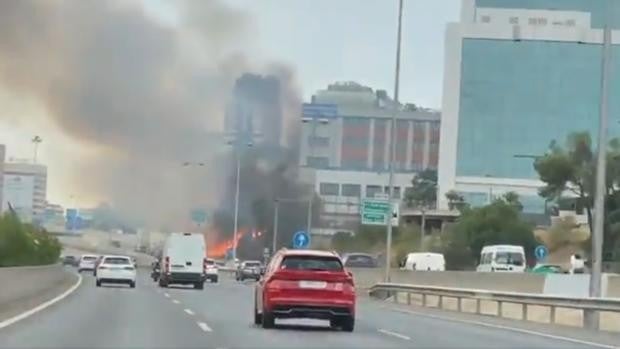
(218, 250)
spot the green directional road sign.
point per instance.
(375, 212)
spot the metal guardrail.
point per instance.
(500, 297)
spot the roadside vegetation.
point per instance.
(24, 244)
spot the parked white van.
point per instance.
(184, 260)
(502, 258)
(427, 261)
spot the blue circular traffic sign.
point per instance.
(301, 239)
(541, 252)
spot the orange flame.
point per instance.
(219, 249)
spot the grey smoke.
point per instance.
(148, 96)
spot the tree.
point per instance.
(571, 171)
(456, 201)
(512, 198)
(423, 194)
(497, 223)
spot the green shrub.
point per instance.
(24, 244)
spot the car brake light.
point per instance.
(167, 265)
(204, 265)
(128, 268)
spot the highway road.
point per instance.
(220, 316)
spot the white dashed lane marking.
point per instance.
(394, 334)
(203, 326)
(175, 301)
(188, 311)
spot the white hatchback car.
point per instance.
(116, 270)
(211, 270)
(87, 262)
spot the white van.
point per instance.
(184, 260)
(502, 258)
(427, 261)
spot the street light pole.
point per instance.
(275, 226)
(236, 224)
(388, 254)
(592, 317)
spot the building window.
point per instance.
(571, 23)
(317, 141)
(485, 19)
(396, 194)
(329, 189)
(351, 190)
(542, 21)
(317, 161)
(531, 21)
(514, 20)
(373, 190)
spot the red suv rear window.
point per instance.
(311, 263)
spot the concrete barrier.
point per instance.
(510, 282)
(23, 288)
(85, 245)
(515, 282)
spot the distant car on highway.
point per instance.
(70, 260)
(97, 262)
(249, 270)
(116, 270)
(184, 260)
(211, 270)
(502, 258)
(306, 284)
(424, 261)
(359, 260)
(547, 269)
(87, 262)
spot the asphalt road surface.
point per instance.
(220, 316)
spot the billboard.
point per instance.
(18, 190)
(316, 110)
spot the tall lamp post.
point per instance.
(36, 141)
(310, 143)
(388, 254)
(591, 318)
(238, 149)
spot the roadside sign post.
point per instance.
(301, 240)
(541, 252)
(377, 212)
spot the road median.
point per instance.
(25, 288)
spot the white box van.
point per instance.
(427, 261)
(502, 258)
(184, 260)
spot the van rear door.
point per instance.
(186, 253)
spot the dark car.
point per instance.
(249, 270)
(359, 260)
(70, 260)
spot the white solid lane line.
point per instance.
(394, 334)
(203, 326)
(507, 328)
(175, 301)
(42, 306)
(188, 311)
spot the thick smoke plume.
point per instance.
(146, 96)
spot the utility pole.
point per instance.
(388, 254)
(591, 318)
(275, 226)
(36, 141)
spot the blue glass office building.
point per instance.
(520, 74)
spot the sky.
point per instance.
(322, 41)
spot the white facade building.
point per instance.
(25, 189)
(516, 79)
(345, 148)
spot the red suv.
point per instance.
(305, 284)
